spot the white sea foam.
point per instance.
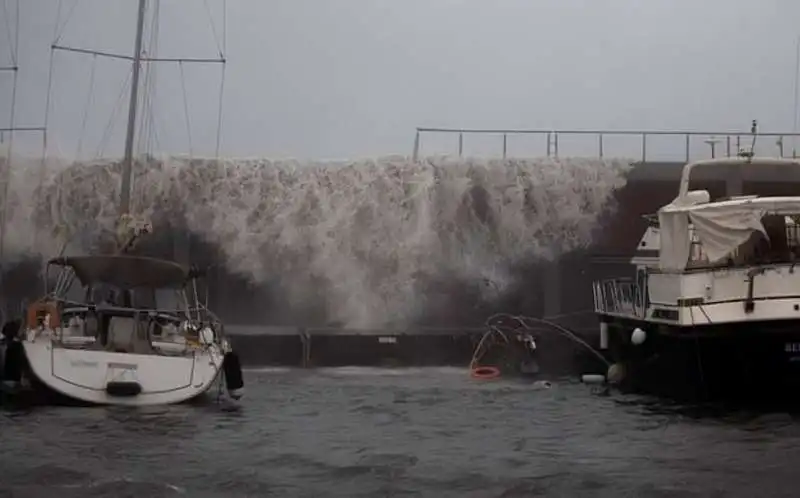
(364, 235)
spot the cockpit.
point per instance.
(125, 304)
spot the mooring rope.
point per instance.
(525, 322)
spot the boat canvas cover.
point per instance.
(721, 227)
(125, 272)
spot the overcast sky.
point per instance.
(353, 78)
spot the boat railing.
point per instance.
(645, 145)
(619, 296)
(75, 332)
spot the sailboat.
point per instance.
(121, 329)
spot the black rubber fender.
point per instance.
(123, 389)
(14, 361)
(232, 368)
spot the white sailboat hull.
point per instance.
(85, 375)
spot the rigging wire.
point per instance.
(6, 172)
(147, 125)
(153, 142)
(222, 76)
(86, 108)
(16, 32)
(58, 20)
(46, 120)
(213, 29)
(111, 120)
(12, 48)
(219, 111)
(186, 109)
(59, 30)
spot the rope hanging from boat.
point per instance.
(527, 322)
(480, 351)
(495, 325)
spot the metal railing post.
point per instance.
(600, 144)
(505, 144)
(555, 143)
(548, 144)
(688, 146)
(460, 144)
(644, 147)
(415, 155)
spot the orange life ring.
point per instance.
(485, 373)
(39, 310)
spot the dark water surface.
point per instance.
(415, 432)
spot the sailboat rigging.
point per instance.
(139, 334)
(7, 135)
(137, 59)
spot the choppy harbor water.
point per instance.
(353, 432)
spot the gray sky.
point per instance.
(353, 78)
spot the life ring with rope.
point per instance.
(42, 311)
(484, 372)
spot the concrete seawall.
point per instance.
(331, 347)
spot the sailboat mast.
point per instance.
(127, 165)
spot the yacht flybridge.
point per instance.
(714, 309)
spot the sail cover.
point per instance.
(721, 227)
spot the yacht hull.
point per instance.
(91, 377)
(753, 361)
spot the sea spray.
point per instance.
(366, 238)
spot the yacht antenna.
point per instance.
(713, 141)
(750, 153)
(127, 165)
(796, 96)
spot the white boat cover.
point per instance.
(721, 227)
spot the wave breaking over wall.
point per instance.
(366, 240)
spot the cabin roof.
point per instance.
(125, 271)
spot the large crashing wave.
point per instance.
(366, 236)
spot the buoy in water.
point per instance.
(234, 380)
(593, 379)
(616, 373)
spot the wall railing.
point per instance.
(715, 144)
